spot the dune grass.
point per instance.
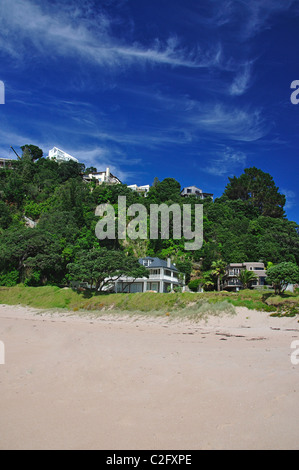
(192, 305)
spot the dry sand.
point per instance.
(124, 383)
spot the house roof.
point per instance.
(190, 187)
(158, 263)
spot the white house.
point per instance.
(102, 177)
(140, 189)
(60, 156)
(163, 277)
(195, 191)
(6, 163)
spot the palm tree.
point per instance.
(246, 278)
(218, 269)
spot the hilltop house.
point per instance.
(140, 189)
(194, 191)
(6, 163)
(102, 177)
(60, 156)
(230, 279)
(163, 277)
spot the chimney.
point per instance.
(107, 174)
(168, 262)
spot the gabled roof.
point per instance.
(157, 263)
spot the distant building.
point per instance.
(60, 156)
(230, 279)
(102, 177)
(6, 163)
(195, 191)
(140, 189)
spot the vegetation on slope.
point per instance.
(247, 223)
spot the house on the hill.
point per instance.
(163, 277)
(143, 190)
(102, 177)
(195, 191)
(60, 156)
(6, 163)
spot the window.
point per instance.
(152, 286)
(234, 272)
(189, 191)
(136, 287)
(154, 271)
(167, 272)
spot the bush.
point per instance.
(194, 285)
(33, 280)
(9, 279)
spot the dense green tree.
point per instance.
(31, 249)
(185, 266)
(281, 275)
(99, 266)
(32, 150)
(167, 190)
(257, 189)
(5, 216)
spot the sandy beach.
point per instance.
(72, 382)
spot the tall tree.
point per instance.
(32, 150)
(100, 266)
(218, 269)
(258, 189)
(167, 190)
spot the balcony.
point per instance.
(163, 277)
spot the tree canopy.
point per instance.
(257, 189)
(281, 275)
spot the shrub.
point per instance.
(194, 285)
(9, 279)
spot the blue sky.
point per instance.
(194, 90)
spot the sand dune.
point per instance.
(72, 382)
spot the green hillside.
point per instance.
(247, 223)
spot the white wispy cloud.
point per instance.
(226, 162)
(246, 18)
(241, 82)
(260, 14)
(232, 122)
(290, 198)
(102, 157)
(74, 33)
